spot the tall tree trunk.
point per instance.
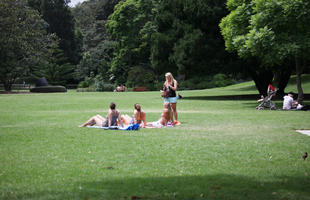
(262, 79)
(7, 86)
(281, 79)
(299, 70)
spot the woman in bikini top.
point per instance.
(139, 115)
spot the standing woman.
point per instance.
(171, 86)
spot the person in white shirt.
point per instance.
(288, 102)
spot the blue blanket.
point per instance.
(131, 127)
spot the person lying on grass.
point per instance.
(113, 118)
(138, 117)
(166, 116)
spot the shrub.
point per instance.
(49, 89)
(99, 84)
(205, 85)
(221, 80)
(89, 89)
(157, 85)
(196, 83)
(186, 85)
(139, 76)
(88, 81)
(108, 87)
(218, 80)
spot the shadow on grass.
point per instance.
(225, 97)
(247, 88)
(237, 97)
(220, 186)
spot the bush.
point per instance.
(96, 84)
(196, 83)
(86, 89)
(205, 85)
(88, 81)
(49, 89)
(83, 84)
(218, 80)
(139, 76)
(108, 87)
(186, 85)
(99, 84)
(222, 80)
(158, 85)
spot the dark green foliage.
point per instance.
(274, 31)
(92, 84)
(105, 8)
(97, 61)
(203, 82)
(139, 76)
(222, 80)
(56, 68)
(49, 89)
(101, 85)
(23, 41)
(129, 25)
(188, 41)
(61, 21)
(88, 81)
(156, 36)
(91, 17)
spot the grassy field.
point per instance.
(224, 149)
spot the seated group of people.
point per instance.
(120, 88)
(290, 104)
(114, 118)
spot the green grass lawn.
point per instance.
(224, 149)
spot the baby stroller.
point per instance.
(265, 102)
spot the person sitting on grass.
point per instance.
(165, 117)
(288, 102)
(112, 119)
(138, 117)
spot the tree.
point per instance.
(91, 17)
(55, 68)
(129, 26)
(60, 19)
(272, 30)
(97, 62)
(22, 40)
(188, 41)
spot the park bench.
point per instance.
(139, 89)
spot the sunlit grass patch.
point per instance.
(223, 149)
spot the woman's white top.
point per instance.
(287, 102)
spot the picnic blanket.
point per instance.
(131, 127)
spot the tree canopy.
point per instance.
(23, 40)
(272, 30)
(117, 41)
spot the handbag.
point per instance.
(164, 94)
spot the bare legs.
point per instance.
(126, 119)
(95, 120)
(174, 109)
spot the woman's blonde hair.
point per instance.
(170, 75)
(170, 111)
